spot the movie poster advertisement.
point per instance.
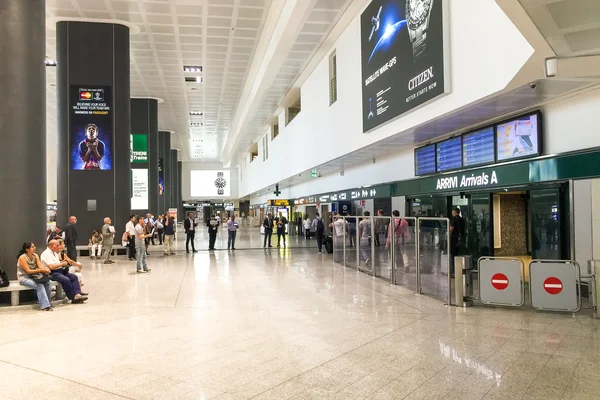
(402, 57)
(161, 177)
(91, 128)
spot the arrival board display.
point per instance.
(478, 147)
(449, 154)
(425, 160)
(518, 138)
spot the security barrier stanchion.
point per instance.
(500, 281)
(554, 285)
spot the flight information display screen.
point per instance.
(518, 138)
(449, 154)
(478, 147)
(425, 160)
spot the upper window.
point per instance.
(294, 109)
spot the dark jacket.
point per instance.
(70, 233)
(187, 225)
(268, 224)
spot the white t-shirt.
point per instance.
(49, 257)
(340, 227)
(130, 228)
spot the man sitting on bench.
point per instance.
(60, 273)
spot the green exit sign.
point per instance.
(313, 173)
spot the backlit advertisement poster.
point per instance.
(161, 177)
(518, 138)
(138, 148)
(402, 57)
(139, 186)
(91, 128)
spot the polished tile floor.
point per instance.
(285, 324)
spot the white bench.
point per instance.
(14, 288)
(84, 250)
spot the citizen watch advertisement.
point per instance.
(404, 62)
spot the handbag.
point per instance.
(40, 278)
(4, 282)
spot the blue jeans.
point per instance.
(42, 289)
(141, 257)
(231, 239)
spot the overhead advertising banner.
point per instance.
(138, 148)
(402, 57)
(139, 192)
(210, 184)
(91, 128)
(161, 177)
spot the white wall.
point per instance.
(321, 132)
(190, 166)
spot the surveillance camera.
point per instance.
(533, 85)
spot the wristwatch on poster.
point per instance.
(220, 183)
(417, 19)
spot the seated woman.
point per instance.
(74, 266)
(95, 245)
(33, 274)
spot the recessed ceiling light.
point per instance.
(193, 79)
(50, 62)
(196, 113)
(196, 124)
(192, 68)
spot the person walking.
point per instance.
(268, 224)
(281, 224)
(190, 231)
(140, 246)
(169, 228)
(232, 227)
(130, 231)
(319, 227)
(108, 239)
(71, 238)
(457, 237)
(213, 228)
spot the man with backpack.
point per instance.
(320, 231)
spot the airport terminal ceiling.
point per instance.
(222, 38)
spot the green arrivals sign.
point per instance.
(138, 149)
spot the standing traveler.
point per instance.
(379, 227)
(281, 224)
(108, 240)
(307, 225)
(364, 233)
(130, 230)
(457, 237)
(169, 224)
(160, 229)
(150, 222)
(213, 228)
(190, 231)
(319, 227)
(59, 272)
(398, 233)
(140, 243)
(95, 245)
(71, 238)
(268, 224)
(33, 274)
(232, 227)
(340, 227)
(352, 230)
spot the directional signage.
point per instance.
(499, 281)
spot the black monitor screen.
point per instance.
(478, 147)
(449, 154)
(425, 160)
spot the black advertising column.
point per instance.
(93, 125)
(175, 182)
(144, 156)
(164, 162)
(22, 127)
(180, 188)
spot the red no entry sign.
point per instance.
(499, 281)
(553, 285)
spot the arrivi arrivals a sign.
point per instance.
(467, 181)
